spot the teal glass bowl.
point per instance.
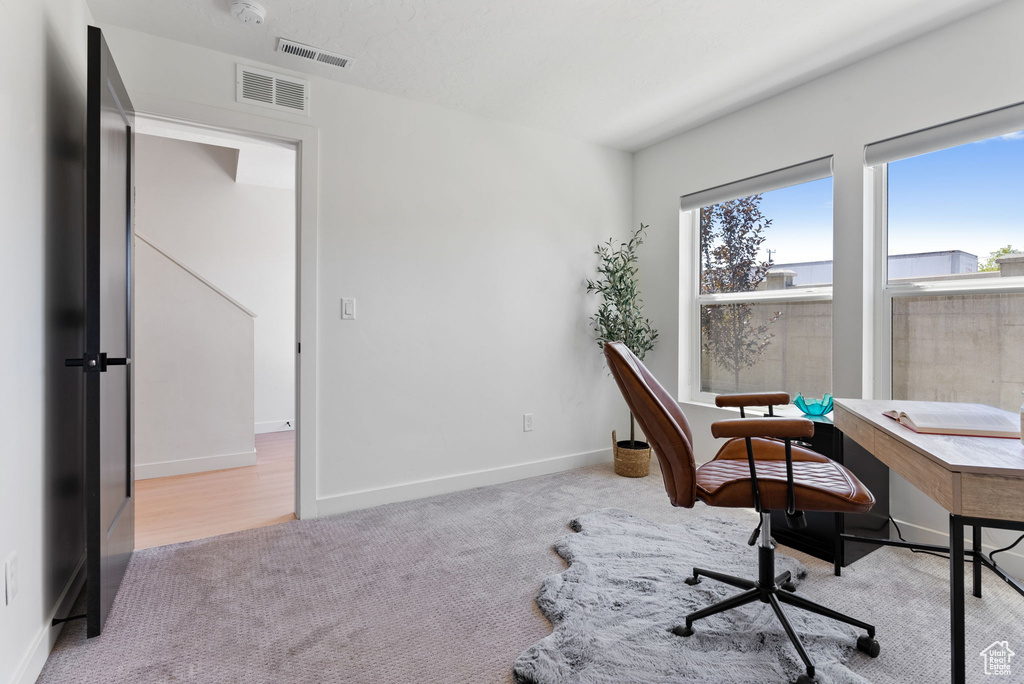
(814, 407)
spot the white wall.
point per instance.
(466, 243)
(239, 237)
(194, 372)
(42, 119)
(966, 68)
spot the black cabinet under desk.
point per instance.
(819, 537)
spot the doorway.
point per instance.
(216, 308)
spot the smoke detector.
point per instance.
(248, 12)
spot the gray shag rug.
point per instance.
(613, 608)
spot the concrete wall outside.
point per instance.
(948, 348)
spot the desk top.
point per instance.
(958, 454)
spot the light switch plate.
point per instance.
(11, 577)
(348, 309)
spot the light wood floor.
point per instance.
(186, 507)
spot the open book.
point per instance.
(975, 421)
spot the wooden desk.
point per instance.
(979, 480)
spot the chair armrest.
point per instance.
(745, 400)
(781, 428)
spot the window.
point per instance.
(952, 291)
(763, 267)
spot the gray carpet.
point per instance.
(613, 608)
(441, 591)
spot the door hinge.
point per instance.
(299, 345)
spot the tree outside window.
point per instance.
(731, 235)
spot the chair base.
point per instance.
(774, 590)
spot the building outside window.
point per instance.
(763, 324)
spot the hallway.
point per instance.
(185, 507)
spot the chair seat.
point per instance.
(819, 483)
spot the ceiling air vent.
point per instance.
(267, 89)
(311, 53)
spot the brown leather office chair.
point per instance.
(759, 468)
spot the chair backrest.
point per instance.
(661, 420)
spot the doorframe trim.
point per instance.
(307, 144)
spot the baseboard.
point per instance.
(274, 426)
(367, 498)
(1010, 561)
(202, 464)
(35, 658)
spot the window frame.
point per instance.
(690, 223)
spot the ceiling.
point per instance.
(622, 73)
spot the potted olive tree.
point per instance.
(620, 319)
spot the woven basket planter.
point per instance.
(631, 462)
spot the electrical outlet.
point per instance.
(527, 422)
(11, 577)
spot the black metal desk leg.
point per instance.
(838, 562)
(956, 600)
(837, 453)
(976, 545)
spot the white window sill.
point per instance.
(789, 411)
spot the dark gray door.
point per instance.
(109, 461)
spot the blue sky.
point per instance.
(801, 228)
(969, 197)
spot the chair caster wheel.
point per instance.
(789, 586)
(692, 580)
(868, 645)
(805, 679)
(682, 631)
